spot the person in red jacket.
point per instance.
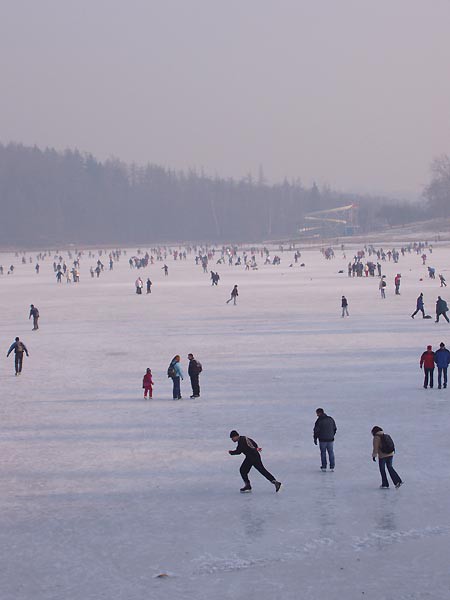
(147, 384)
(427, 362)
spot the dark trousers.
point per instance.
(428, 376)
(35, 323)
(444, 314)
(195, 384)
(419, 310)
(387, 462)
(440, 371)
(18, 361)
(257, 463)
(176, 388)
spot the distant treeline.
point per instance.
(50, 197)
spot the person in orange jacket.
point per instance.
(147, 384)
(427, 362)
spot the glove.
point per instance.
(374, 459)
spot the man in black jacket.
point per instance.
(249, 447)
(324, 431)
(194, 370)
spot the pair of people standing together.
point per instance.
(175, 373)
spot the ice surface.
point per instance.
(101, 492)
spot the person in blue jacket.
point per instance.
(419, 307)
(175, 372)
(442, 360)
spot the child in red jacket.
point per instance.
(147, 384)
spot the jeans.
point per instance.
(428, 376)
(256, 462)
(440, 371)
(422, 310)
(345, 311)
(176, 388)
(444, 314)
(195, 384)
(324, 448)
(387, 462)
(18, 360)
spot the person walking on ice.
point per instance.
(344, 305)
(234, 295)
(384, 449)
(324, 431)
(250, 449)
(19, 348)
(419, 307)
(441, 309)
(34, 312)
(442, 360)
(427, 363)
(147, 384)
(442, 280)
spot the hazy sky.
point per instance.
(353, 93)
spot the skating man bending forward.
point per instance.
(249, 447)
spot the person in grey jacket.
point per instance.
(324, 431)
(19, 348)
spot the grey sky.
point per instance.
(353, 93)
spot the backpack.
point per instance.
(199, 366)
(383, 284)
(19, 347)
(171, 371)
(386, 444)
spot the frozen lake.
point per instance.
(101, 491)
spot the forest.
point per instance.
(50, 197)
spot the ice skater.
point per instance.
(442, 280)
(344, 305)
(382, 287)
(442, 360)
(176, 374)
(194, 370)
(324, 431)
(419, 306)
(384, 448)
(34, 312)
(19, 348)
(427, 363)
(149, 285)
(250, 449)
(234, 295)
(441, 309)
(147, 384)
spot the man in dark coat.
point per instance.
(442, 360)
(324, 431)
(249, 447)
(419, 306)
(441, 309)
(34, 312)
(194, 370)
